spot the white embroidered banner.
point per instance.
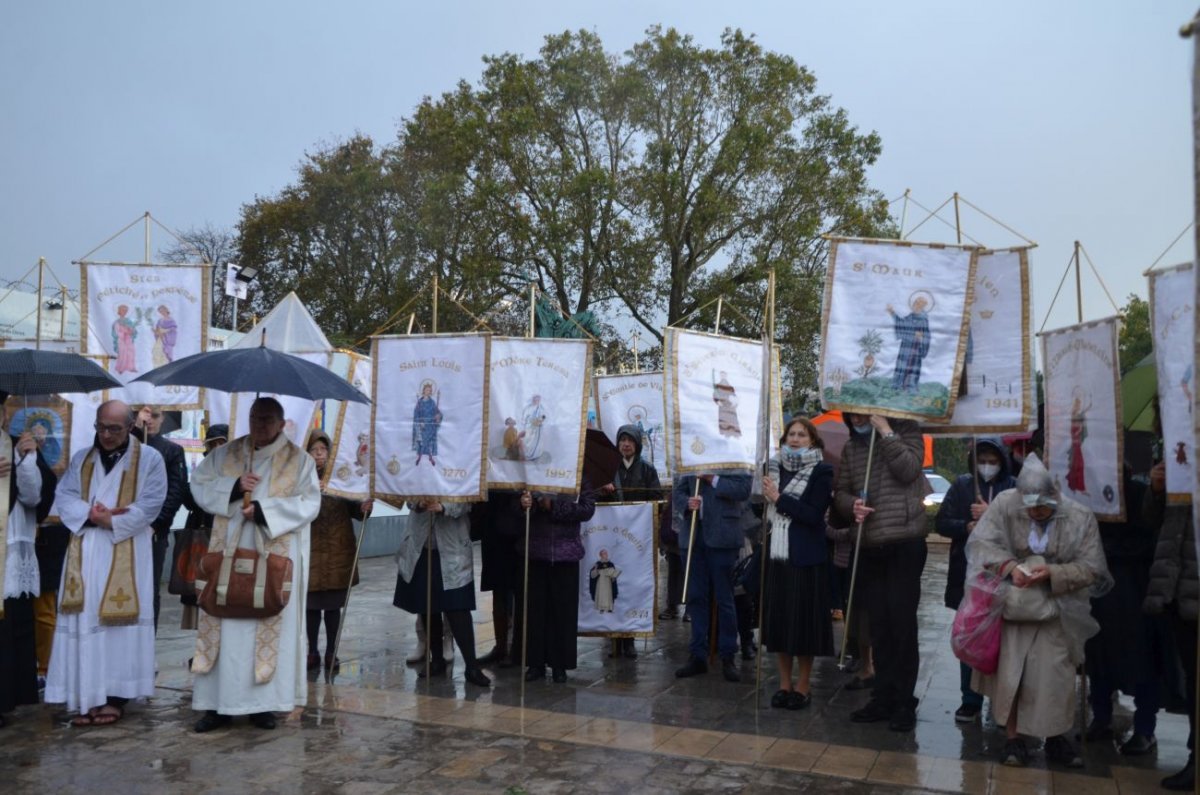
(538, 409)
(430, 401)
(1000, 394)
(635, 399)
(617, 574)
(350, 473)
(894, 327)
(714, 388)
(1172, 292)
(145, 316)
(1084, 440)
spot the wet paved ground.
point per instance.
(616, 726)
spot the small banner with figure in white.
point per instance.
(1172, 292)
(635, 399)
(997, 393)
(714, 388)
(617, 575)
(350, 474)
(1084, 439)
(146, 316)
(538, 413)
(430, 415)
(894, 327)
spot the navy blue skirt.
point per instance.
(410, 596)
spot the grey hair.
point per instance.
(1035, 484)
(129, 415)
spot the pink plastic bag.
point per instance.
(975, 636)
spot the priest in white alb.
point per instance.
(245, 666)
(103, 653)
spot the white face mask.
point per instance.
(988, 471)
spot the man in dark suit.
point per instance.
(149, 424)
(718, 537)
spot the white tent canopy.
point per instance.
(290, 328)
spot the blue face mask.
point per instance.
(862, 430)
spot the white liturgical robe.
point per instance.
(232, 683)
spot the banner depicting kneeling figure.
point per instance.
(145, 316)
(429, 417)
(617, 575)
(894, 327)
(635, 399)
(1172, 292)
(1084, 440)
(538, 400)
(349, 472)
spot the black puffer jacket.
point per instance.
(1174, 575)
(897, 489)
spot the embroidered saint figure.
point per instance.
(123, 334)
(725, 396)
(427, 419)
(912, 331)
(603, 583)
(1075, 466)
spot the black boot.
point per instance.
(1184, 780)
(629, 648)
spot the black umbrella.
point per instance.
(255, 370)
(25, 371)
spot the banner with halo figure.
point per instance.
(1085, 447)
(635, 399)
(617, 575)
(429, 396)
(894, 327)
(1172, 291)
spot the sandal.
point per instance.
(103, 718)
(83, 719)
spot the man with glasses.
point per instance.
(149, 427)
(103, 652)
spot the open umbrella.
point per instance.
(255, 370)
(25, 371)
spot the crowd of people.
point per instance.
(82, 599)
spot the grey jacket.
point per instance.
(897, 489)
(1174, 573)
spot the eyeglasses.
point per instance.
(111, 430)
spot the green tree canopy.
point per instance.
(1136, 341)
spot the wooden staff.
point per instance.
(346, 606)
(429, 605)
(525, 605)
(857, 548)
(687, 569)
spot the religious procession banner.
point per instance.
(617, 575)
(894, 327)
(635, 399)
(537, 413)
(349, 473)
(58, 345)
(429, 420)
(145, 316)
(998, 392)
(1172, 292)
(714, 387)
(1084, 440)
(50, 419)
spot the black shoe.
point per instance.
(1061, 750)
(332, 664)
(797, 700)
(535, 672)
(686, 618)
(629, 649)
(859, 683)
(1138, 744)
(903, 720)
(780, 699)
(1184, 780)
(558, 676)
(1097, 732)
(263, 720)
(729, 670)
(496, 655)
(748, 651)
(873, 712)
(436, 668)
(477, 677)
(967, 713)
(211, 720)
(1015, 754)
(694, 666)
(670, 614)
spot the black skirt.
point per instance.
(410, 596)
(797, 610)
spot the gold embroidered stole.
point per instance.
(6, 451)
(285, 473)
(119, 606)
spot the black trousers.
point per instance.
(1185, 642)
(553, 615)
(891, 579)
(159, 546)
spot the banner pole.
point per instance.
(765, 441)
(957, 222)
(687, 569)
(857, 548)
(41, 276)
(525, 607)
(1078, 287)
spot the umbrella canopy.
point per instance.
(255, 370)
(25, 371)
(1138, 387)
(600, 458)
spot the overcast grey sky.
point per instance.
(1066, 120)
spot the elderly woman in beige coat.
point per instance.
(1047, 550)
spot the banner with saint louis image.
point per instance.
(1084, 440)
(145, 316)
(538, 413)
(635, 399)
(429, 417)
(617, 574)
(998, 391)
(349, 471)
(894, 327)
(1172, 291)
(713, 401)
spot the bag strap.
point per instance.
(226, 573)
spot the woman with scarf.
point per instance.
(1046, 551)
(798, 623)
